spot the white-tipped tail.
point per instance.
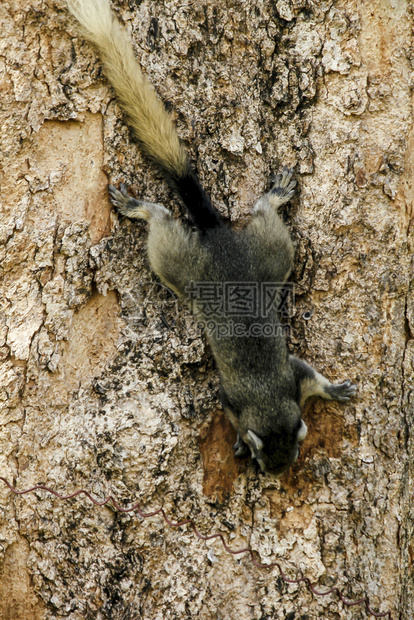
(147, 116)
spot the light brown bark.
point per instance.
(105, 384)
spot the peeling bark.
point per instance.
(107, 384)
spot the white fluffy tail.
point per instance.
(147, 116)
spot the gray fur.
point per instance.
(262, 387)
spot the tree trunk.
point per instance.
(107, 385)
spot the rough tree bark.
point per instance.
(106, 385)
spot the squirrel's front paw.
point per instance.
(342, 391)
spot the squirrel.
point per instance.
(262, 386)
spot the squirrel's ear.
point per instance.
(302, 432)
(254, 440)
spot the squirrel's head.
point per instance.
(277, 450)
(272, 428)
